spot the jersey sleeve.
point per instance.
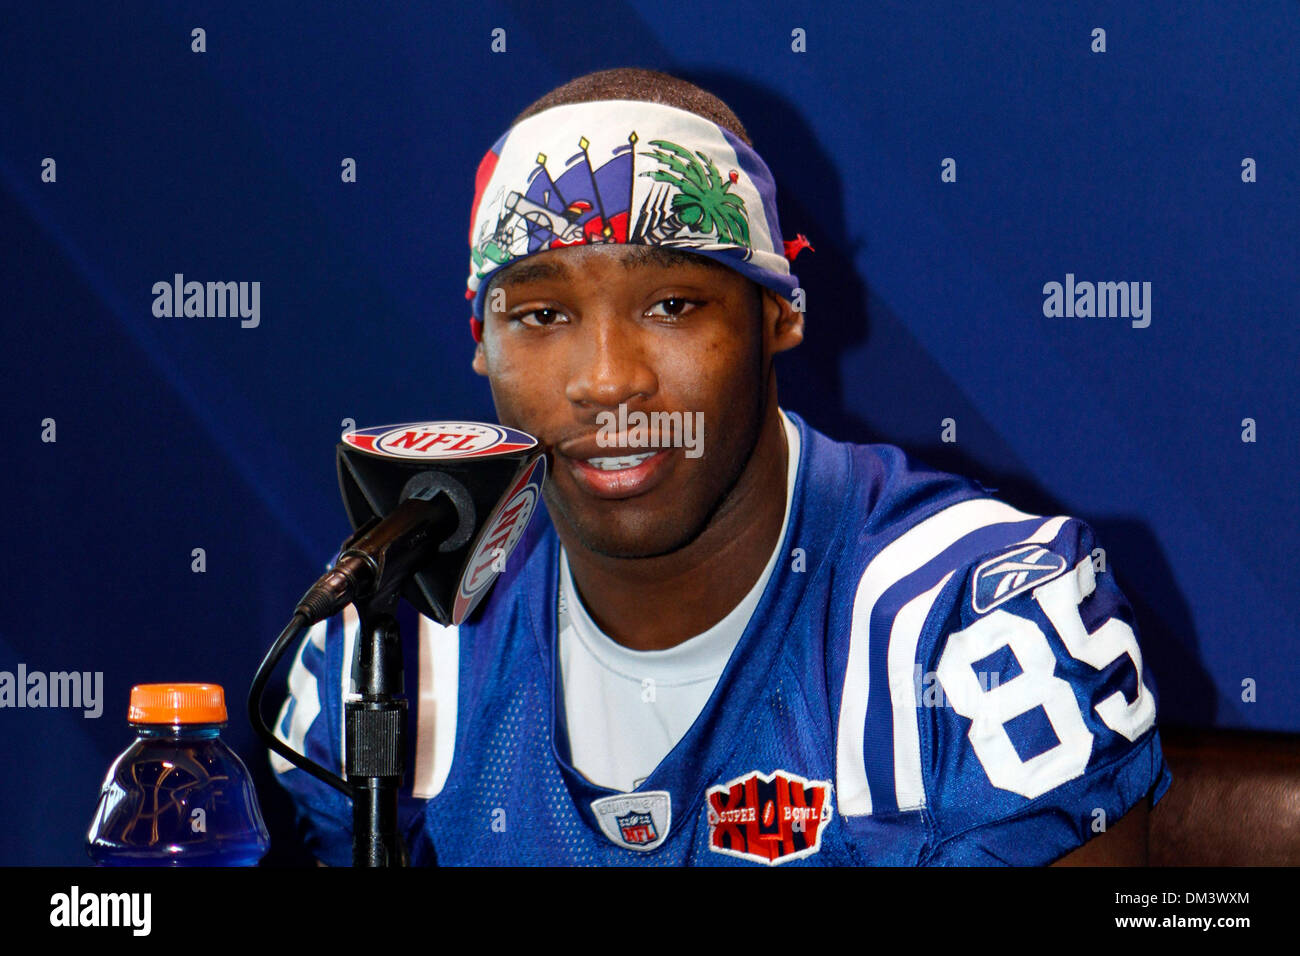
(1037, 720)
(311, 723)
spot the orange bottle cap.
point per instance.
(177, 704)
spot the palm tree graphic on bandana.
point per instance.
(703, 204)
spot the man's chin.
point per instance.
(621, 543)
(630, 536)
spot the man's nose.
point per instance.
(610, 364)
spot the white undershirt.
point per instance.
(627, 709)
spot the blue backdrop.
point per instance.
(925, 302)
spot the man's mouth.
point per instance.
(620, 476)
(619, 464)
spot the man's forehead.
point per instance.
(555, 263)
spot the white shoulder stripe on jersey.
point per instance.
(351, 626)
(899, 559)
(909, 788)
(435, 707)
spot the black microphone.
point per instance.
(436, 508)
(436, 513)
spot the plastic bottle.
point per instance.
(178, 796)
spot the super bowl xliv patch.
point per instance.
(1014, 572)
(768, 818)
(635, 821)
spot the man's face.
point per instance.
(583, 330)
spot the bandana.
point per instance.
(624, 171)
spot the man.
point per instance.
(731, 640)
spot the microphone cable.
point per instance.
(288, 637)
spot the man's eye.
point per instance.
(540, 317)
(672, 307)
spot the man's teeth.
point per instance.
(618, 464)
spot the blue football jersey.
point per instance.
(931, 677)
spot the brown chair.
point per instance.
(1235, 800)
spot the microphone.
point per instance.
(436, 507)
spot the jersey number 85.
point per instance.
(989, 710)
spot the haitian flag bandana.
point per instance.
(625, 171)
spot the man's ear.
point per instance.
(781, 321)
(479, 362)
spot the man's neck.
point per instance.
(656, 603)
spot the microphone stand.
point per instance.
(375, 731)
(375, 720)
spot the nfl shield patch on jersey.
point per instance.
(635, 821)
(768, 818)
